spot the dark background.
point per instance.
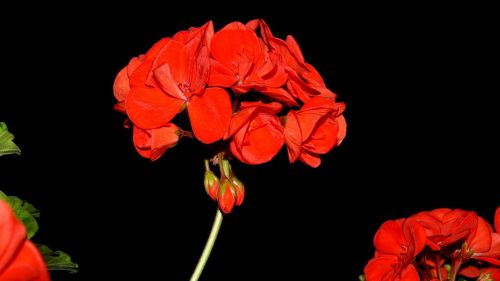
(421, 135)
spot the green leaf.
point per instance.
(4, 197)
(7, 146)
(57, 260)
(362, 277)
(26, 213)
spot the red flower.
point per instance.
(19, 258)
(483, 244)
(314, 130)
(258, 133)
(174, 73)
(238, 58)
(121, 87)
(153, 143)
(304, 80)
(397, 243)
(444, 226)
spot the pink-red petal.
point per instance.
(293, 136)
(151, 108)
(210, 114)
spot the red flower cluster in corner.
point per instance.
(19, 258)
(435, 246)
(240, 85)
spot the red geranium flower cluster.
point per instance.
(241, 85)
(435, 246)
(19, 257)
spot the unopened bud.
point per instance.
(211, 183)
(240, 190)
(226, 196)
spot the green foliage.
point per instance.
(26, 213)
(7, 146)
(57, 260)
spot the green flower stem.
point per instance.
(208, 246)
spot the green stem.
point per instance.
(208, 247)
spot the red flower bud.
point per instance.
(226, 196)
(240, 190)
(211, 183)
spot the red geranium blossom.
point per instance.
(258, 133)
(19, 258)
(397, 243)
(484, 243)
(444, 227)
(175, 73)
(314, 130)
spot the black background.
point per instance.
(421, 135)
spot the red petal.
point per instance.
(312, 76)
(294, 48)
(278, 94)
(414, 233)
(151, 108)
(265, 32)
(220, 75)
(234, 42)
(134, 64)
(167, 83)
(154, 143)
(198, 63)
(143, 72)
(409, 273)
(263, 139)
(492, 261)
(381, 268)
(324, 137)
(310, 159)
(311, 113)
(293, 136)
(206, 31)
(121, 87)
(12, 235)
(240, 119)
(162, 139)
(480, 241)
(28, 265)
(389, 238)
(237, 141)
(470, 271)
(210, 114)
(177, 59)
(289, 56)
(142, 141)
(494, 250)
(274, 107)
(297, 91)
(342, 129)
(497, 220)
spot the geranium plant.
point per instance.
(439, 245)
(246, 94)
